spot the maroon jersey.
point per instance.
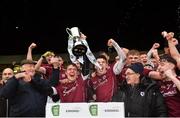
(72, 92)
(172, 97)
(62, 74)
(121, 77)
(49, 68)
(104, 86)
(146, 72)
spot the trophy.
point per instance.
(78, 49)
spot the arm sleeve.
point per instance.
(44, 85)
(54, 79)
(117, 68)
(149, 54)
(9, 89)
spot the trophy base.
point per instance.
(79, 50)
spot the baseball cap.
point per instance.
(27, 61)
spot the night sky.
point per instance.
(133, 24)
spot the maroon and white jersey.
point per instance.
(72, 92)
(172, 97)
(103, 86)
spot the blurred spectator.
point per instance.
(4, 106)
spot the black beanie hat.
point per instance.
(137, 67)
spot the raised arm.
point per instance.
(174, 52)
(38, 64)
(43, 57)
(29, 53)
(152, 50)
(117, 68)
(172, 42)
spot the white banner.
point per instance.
(85, 110)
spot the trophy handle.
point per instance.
(68, 31)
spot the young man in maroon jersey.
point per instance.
(103, 80)
(170, 84)
(71, 88)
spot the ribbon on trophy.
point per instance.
(78, 47)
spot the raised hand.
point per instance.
(32, 46)
(109, 43)
(169, 73)
(164, 34)
(156, 45)
(168, 36)
(82, 36)
(174, 41)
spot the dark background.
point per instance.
(132, 23)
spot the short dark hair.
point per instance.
(168, 58)
(73, 64)
(102, 57)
